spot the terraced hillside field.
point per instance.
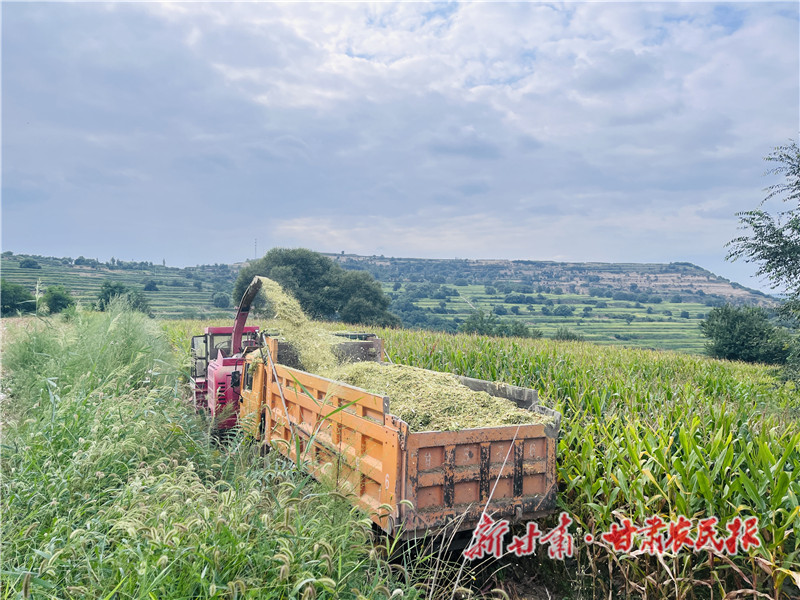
(663, 325)
(180, 292)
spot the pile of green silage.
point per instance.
(313, 344)
(111, 486)
(431, 401)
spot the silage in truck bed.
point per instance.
(433, 401)
(426, 400)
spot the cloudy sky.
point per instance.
(576, 131)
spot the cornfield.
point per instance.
(647, 433)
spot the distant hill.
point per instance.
(666, 280)
(639, 305)
(655, 306)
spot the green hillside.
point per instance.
(624, 304)
(636, 305)
(181, 293)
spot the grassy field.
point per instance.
(665, 326)
(112, 485)
(113, 488)
(646, 434)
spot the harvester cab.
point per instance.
(217, 359)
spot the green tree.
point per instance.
(773, 241)
(108, 291)
(360, 299)
(746, 334)
(56, 298)
(323, 288)
(563, 310)
(479, 322)
(150, 286)
(15, 298)
(221, 300)
(137, 301)
(29, 263)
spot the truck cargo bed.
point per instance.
(348, 437)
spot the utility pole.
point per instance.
(255, 249)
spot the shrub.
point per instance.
(135, 299)
(15, 298)
(221, 300)
(746, 334)
(56, 299)
(29, 263)
(565, 334)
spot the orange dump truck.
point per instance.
(349, 438)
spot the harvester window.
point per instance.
(199, 346)
(199, 356)
(220, 341)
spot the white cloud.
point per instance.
(583, 130)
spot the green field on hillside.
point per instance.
(649, 318)
(182, 293)
(665, 325)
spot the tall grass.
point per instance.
(111, 486)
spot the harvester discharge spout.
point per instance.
(241, 314)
